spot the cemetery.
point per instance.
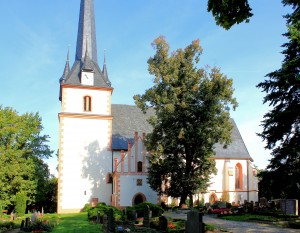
(148, 217)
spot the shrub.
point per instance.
(86, 207)
(102, 208)
(38, 225)
(156, 209)
(20, 207)
(5, 226)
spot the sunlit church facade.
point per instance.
(102, 157)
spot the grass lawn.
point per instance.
(76, 223)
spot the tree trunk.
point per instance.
(182, 199)
(191, 202)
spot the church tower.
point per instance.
(85, 123)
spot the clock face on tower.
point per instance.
(87, 78)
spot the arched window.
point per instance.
(140, 166)
(87, 103)
(238, 176)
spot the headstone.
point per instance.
(22, 224)
(163, 223)
(98, 217)
(34, 216)
(194, 222)
(135, 216)
(27, 222)
(289, 206)
(105, 224)
(12, 216)
(222, 205)
(263, 202)
(146, 221)
(111, 221)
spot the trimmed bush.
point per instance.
(86, 207)
(103, 209)
(156, 209)
(21, 199)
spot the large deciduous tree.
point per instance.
(22, 150)
(191, 108)
(281, 125)
(229, 12)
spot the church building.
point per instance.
(102, 157)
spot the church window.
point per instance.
(87, 103)
(139, 182)
(238, 176)
(109, 178)
(140, 166)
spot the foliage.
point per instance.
(191, 115)
(21, 199)
(22, 148)
(229, 12)
(156, 209)
(86, 207)
(102, 208)
(281, 125)
(5, 226)
(38, 225)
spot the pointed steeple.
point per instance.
(104, 70)
(87, 63)
(86, 26)
(65, 74)
(86, 50)
(67, 69)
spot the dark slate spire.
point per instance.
(65, 74)
(87, 64)
(104, 71)
(86, 32)
(86, 50)
(67, 69)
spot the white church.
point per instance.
(102, 157)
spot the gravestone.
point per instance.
(12, 216)
(289, 206)
(194, 222)
(263, 202)
(163, 223)
(135, 216)
(105, 224)
(146, 221)
(22, 224)
(222, 205)
(27, 222)
(111, 221)
(98, 217)
(33, 216)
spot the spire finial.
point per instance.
(68, 55)
(104, 57)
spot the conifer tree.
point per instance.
(281, 125)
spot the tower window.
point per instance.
(87, 104)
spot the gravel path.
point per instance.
(236, 227)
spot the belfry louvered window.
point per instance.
(87, 104)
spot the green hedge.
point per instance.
(103, 209)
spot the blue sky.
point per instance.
(36, 34)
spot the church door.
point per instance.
(138, 199)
